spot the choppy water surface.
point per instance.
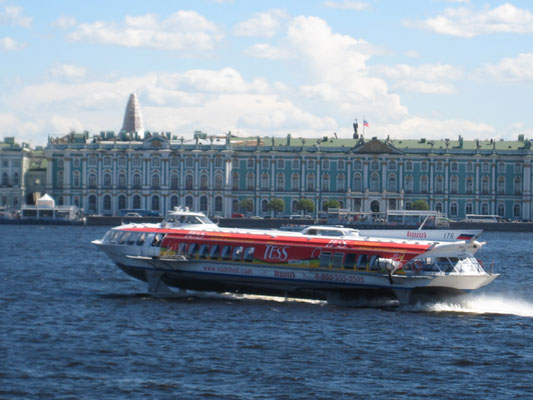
(73, 326)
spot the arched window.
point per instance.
(454, 184)
(392, 165)
(136, 203)
(264, 206)
(235, 180)
(310, 182)
(155, 203)
(469, 186)
(468, 208)
(501, 185)
(325, 182)
(203, 181)
(136, 181)
(188, 182)
(295, 181)
(155, 181)
(517, 183)
(121, 202)
(517, 212)
(107, 203)
(280, 181)
(485, 209)
(485, 185)
(438, 207)
(174, 182)
(392, 185)
(357, 183)
(174, 201)
(92, 204)
(122, 181)
(424, 166)
(218, 204)
(219, 181)
(341, 183)
(203, 203)
(76, 201)
(188, 202)
(265, 181)
(92, 181)
(453, 209)
(16, 179)
(423, 184)
(294, 204)
(281, 163)
(408, 184)
(250, 181)
(357, 165)
(374, 165)
(107, 181)
(374, 182)
(501, 209)
(439, 184)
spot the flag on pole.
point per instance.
(365, 123)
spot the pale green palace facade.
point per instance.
(109, 172)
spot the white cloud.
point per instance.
(518, 69)
(468, 23)
(425, 78)
(64, 22)
(9, 44)
(68, 71)
(267, 51)
(416, 128)
(183, 30)
(347, 5)
(12, 15)
(263, 24)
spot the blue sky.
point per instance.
(434, 69)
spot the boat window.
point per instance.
(362, 261)
(330, 232)
(215, 251)
(193, 250)
(107, 236)
(133, 238)
(337, 260)
(349, 261)
(226, 252)
(124, 237)
(157, 240)
(182, 248)
(249, 254)
(311, 232)
(140, 240)
(115, 236)
(204, 251)
(238, 252)
(324, 259)
(373, 264)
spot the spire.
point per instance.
(133, 119)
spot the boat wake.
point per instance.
(481, 304)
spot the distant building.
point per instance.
(14, 162)
(147, 170)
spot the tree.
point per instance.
(419, 205)
(276, 205)
(330, 204)
(305, 205)
(247, 205)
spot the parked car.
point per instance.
(132, 214)
(237, 215)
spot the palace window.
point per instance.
(424, 184)
(203, 181)
(122, 161)
(174, 161)
(122, 181)
(280, 181)
(189, 182)
(357, 183)
(357, 165)
(469, 208)
(218, 204)
(374, 182)
(250, 163)
(250, 181)
(325, 183)
(501, 185)
(392, 185)
(408, 184)
(219, 181)
(204, 162)
(310, 182)
(235, 180)
(341, 183)
(155, 181)
(485, 185)
(295, 181)
(454, 184)
(517, 183)
(174, 182)
(136, 181)
(107, 161)
(469, 186)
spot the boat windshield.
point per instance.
(187, 220)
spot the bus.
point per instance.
(482, 218)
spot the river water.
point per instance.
(73, 326)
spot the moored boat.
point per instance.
(188, 251)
